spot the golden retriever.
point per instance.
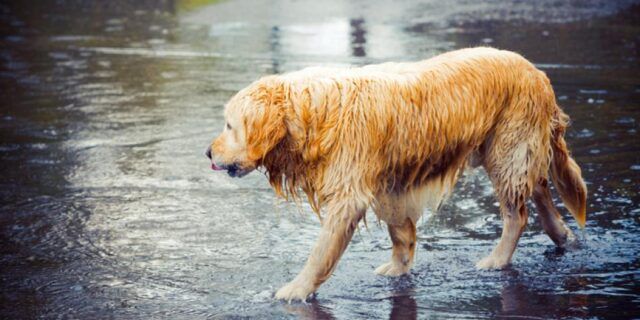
(394, 137)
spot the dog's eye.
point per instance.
(228, 126)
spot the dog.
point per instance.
(394, 137)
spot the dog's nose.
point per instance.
(208, 152)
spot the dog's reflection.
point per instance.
(403, 304)
(310, 310)
(520, 298)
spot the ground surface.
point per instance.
(109, 209)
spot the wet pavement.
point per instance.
(109, 209)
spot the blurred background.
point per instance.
(108, 208)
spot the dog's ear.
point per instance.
(266, 127)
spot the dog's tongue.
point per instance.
(214, 167)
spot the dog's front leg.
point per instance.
(337, 229)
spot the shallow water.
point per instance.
(109, 208)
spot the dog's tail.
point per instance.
(565, 172)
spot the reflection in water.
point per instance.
(403, 303)
(108, 209)
(404, 307)
(329, 38)
(311, 310)
(518, 299)
(358, 39)
(274, 41)
(400, 293)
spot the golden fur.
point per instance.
(394, 137)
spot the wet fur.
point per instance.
(394, 137)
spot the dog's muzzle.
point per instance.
(236, 171)
(233, 170)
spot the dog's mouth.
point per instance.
(233, 170)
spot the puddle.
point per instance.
(109, 208)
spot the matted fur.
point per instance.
(395, 136)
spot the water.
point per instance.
(109, 208)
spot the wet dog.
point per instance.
(394, 137)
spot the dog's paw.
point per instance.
(391, 269)
(491, 263)
(571, 241)
(295, 290)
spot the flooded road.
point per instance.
(109, 209)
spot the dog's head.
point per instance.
(254, 124)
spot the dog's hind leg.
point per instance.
(513, 166)
(403, 237)
(514, 216)
(550, 218)
(517, 156)
(338, 226)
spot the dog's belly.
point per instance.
(425, 186)
(394, 208)
(422, 183)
